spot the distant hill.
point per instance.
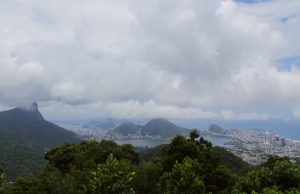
(216, 129)
(128, 128)
(107, 124)
(24, 137)
(161, 127)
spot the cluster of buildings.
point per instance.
(99, 135)
(254, 146)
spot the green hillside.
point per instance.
(24, 137)
(226, 158)
(184, 166)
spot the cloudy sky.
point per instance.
(221, 59)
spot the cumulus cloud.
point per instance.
(171, 58)
(230, 115)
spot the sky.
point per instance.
(194, 59)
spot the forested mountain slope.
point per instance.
(24, 137)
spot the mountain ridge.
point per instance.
(24, 137)
(154, 127)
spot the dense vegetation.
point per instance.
(24, 137)
(185, 166)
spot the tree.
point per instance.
(277, 173)
(2, 181)
(219, 180)
(63, 156)
(183, 179)
(25, 185)
(178, 150)
(113, 177)
(88, 154)
(194, 135)
(216, 178)
(147, 178)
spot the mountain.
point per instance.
(161, 127)
(216, 129)
(24, 137)
(128, 128)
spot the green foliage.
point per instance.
(78, 169)
(185, 166)
(275, 190)
(183, 179)
(88, 154)
(25, 185)
(177, 150)
(146, 154)
(19, 160)
(24, 137)
(147, 178)
(231, 161)
(217, 178)
(277, 173)
(113, 177)
(2, 181)
(62, 157)
(194, 135)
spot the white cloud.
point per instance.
(171, 58)
(230, 115)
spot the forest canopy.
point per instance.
(184, 166)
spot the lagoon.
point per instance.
(216, 141)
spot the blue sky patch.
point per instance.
(286, 63)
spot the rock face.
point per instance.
(216, 129)
(24, 137)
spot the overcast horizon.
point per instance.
(176, 59)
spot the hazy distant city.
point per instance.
(252, 145)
